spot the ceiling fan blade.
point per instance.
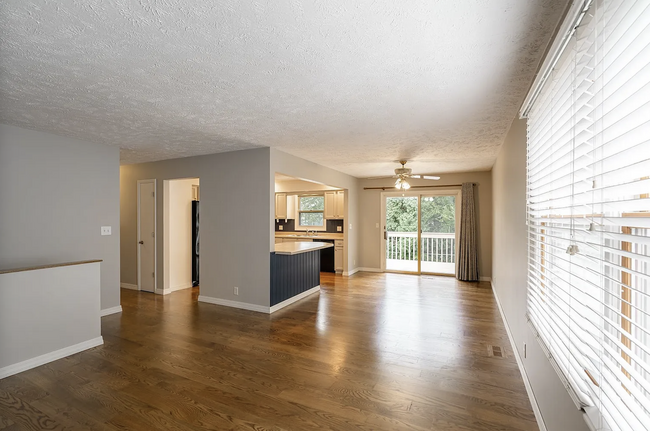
(426, 177)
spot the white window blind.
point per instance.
(588, 209)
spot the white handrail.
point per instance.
(436, 247)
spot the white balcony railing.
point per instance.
(436, 247)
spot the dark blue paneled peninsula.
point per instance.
(295, 271)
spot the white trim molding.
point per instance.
(109, 311)
(520, 364)
(293, 299)
(28, 364)
(485, 279)
(349, 273)
(234, 304)
(364, 269)
(129, 286)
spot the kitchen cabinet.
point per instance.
(280, 205)
(335, 204)
(338, 256)
(278, 240)
(285, 206)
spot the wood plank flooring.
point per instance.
(370, 352)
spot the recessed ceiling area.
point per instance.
(351, 85)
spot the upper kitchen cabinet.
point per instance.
(335, 204)
(280, 205)
(285, 206)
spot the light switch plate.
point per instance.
(106, 230)
(281, 227)
(339, 228)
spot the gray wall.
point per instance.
(509, 280)
(55, 194)
(235, 214)
(370, 204)
(300, 168)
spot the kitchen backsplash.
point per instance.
(290, 226)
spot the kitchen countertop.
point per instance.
(320, 235)
(291, 248)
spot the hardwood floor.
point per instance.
(370, 352)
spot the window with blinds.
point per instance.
(588, 213)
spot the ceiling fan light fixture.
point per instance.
(402, 184)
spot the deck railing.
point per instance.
(436, 247)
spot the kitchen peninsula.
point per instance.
(295, 271)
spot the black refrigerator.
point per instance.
(195, 243)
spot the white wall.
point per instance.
(55, 194)
(293, 166)
(178, 232)
(370, 216)
(235, 214)
(509, 281)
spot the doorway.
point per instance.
(419, 232)
(180, 234)
(147, 235)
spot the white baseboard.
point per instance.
(364, 269)
(28, 364)
(293, 299)
(112, 310)
(234, 304)
(179, 287)
(349, 273)
(485, 279)
(129, 286)
(520, 364)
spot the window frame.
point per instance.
(298, 226)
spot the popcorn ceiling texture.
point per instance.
(352, 85)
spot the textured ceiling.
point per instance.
(352, 85)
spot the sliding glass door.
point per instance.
(401, 233)
(438, 234)
(420, 232)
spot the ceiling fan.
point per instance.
(403, 174)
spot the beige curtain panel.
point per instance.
(467, 259)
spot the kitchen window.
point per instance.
(311, 212)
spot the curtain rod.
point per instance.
(415, 187)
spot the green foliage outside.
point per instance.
(438, 214)
(312, 203)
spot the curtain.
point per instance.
(467, 262)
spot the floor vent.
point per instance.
(496, 351)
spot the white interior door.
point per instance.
(147, 235)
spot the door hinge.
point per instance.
(152, 234)
(153, 274)
(153, 194)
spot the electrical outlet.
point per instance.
(339, 228)
(281, 227)
(350, 226)
(106, 230)
(236, 290)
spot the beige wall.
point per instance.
(235, 214)
(370, 210)
(299, 186)
(178, 209)
(287, 164)
(55, 194)
(509, 281)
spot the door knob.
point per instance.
(140, 242)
